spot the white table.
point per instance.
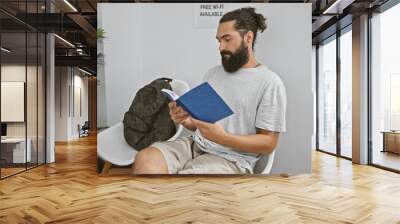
(19, 155)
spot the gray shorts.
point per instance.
(183, 156)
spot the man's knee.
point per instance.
(147, 155)
(150, 160)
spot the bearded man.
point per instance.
(257, 96)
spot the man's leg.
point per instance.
(163, 157)
(211, 164)
(150, 161)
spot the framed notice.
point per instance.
(12, 101)
(207, 15)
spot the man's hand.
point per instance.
(179, 116)
(213, 132)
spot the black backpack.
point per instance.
(148, 120)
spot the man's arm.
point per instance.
(263, 142)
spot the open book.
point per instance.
(202, 103)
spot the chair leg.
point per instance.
(106, 167)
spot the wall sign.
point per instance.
(208, 15)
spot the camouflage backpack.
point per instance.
(148, 119)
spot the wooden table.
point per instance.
(391, 141)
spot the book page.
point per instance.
(170, 94)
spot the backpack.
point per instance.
(148, 120)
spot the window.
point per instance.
(385, 89)
(327, 96)
(346, 93)
(334, 138)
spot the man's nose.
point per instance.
(221, 47)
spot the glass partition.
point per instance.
(22, 78)
(14, 153)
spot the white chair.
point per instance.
(264, 165)
(113, 148)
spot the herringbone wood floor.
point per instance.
(70, 191)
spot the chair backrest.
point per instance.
(264, 165)
(179, 87)
(86, 125)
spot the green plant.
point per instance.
(100, 33)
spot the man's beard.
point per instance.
(236, 60)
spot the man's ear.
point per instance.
(249, 37)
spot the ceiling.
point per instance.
(76, 22)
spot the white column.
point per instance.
(50, 92)
(50, 109)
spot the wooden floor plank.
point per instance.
(71, 191)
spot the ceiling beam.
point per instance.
(82, 61)
(337, 7)
(86, 27)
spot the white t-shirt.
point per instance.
(257, 97)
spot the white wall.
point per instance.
(80, 82)
(101, 95)
(61, 103)
(166, 42)
(66, 121)
(122, 60)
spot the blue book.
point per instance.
(202, 103)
